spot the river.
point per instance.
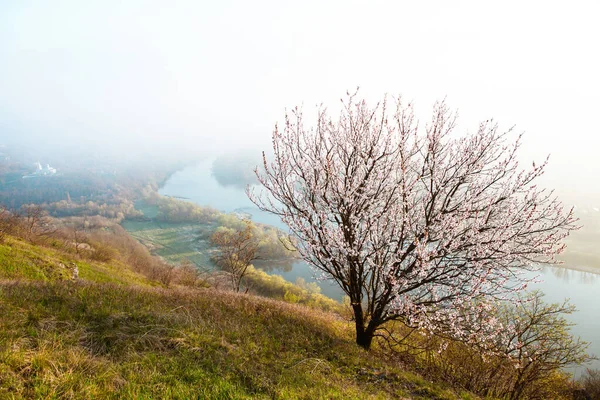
(197, 184)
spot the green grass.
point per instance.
(84, 340)
(114, 334)
(20, 260)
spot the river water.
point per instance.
(197, 184)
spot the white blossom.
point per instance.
(417, 226)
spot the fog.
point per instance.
(146, 79)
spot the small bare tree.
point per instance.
(36, 222)
(188, 274)
(539, 343)
(9, 223)
(429, 228)
(237, 250)
(77, 228)
(528, 362)
(591, 384)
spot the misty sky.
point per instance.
(205, 76)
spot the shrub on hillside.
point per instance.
(526, 363)
(590, 383)
(102, 253)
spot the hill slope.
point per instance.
(114, 334)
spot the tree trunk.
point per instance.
(364, 336)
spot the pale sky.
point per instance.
(213, 75)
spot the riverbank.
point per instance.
(180, 233)
(579, 268)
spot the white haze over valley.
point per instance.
(147, 78)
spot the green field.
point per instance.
(175, 242)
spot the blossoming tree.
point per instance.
(427, 228)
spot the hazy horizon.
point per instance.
(137, 79)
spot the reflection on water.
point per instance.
(572, 276)
(557, 282)
(278, 266)
(581, 289)
(235, 170)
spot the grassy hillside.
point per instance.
(113, 333)
(20, 260)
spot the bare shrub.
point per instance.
(237, 249)
(163, 272)
(9, 223)
(590, 383)
(101, 252)
(35, 223)
(526, 364)
(187, 274)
